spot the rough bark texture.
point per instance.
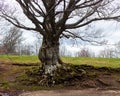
(49, 56)
(53, 70)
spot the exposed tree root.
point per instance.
(66, 73)
(74, 76)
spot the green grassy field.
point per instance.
(97, 62)
(19, 59)
(8, 75)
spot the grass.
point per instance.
(19, 59)
(97, 62)
(13, 71)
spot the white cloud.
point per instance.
(111, 29)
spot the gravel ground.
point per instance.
(85, 92)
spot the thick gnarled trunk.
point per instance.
(49, 56)
(53, 70)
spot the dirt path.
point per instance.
(85, 92)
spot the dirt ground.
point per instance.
(80, 92)
(85, 92)
(99, 82)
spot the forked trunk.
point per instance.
(49, 56)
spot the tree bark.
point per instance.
(49, 56)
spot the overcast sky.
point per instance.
(110, 28)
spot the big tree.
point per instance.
(54, 19)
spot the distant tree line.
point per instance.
(12, 42)
(112, 51)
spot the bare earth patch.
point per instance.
(85, 92)
(97, 82)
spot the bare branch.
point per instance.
(52, 17)
(15, 22)
(69, 34)
(72, 26)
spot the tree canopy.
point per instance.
(62, 15)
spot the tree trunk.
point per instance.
(53, 70)
(49, 56)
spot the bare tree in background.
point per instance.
(26, 49)
(108, 53)
(52, 19)
(63, 51)
(11, 39)
(117, 49)
(37, 43)
(85, 52)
